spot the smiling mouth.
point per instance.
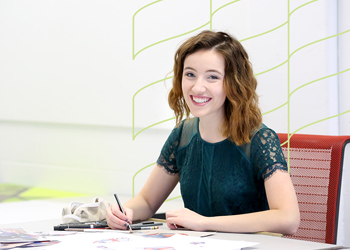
(200, 99)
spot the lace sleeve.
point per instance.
(167, 157)
(266, 154)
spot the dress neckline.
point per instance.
(200, 137)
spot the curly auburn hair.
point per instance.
(242, 113)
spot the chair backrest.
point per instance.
(315, 163)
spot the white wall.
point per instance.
(68, 75)
(343, 63)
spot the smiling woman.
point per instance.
(225, 58)
(231, 168)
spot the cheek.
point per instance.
(224, 96)
(185, 86)
(220, 92)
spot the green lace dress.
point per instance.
(222, 178)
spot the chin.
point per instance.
(198, 114)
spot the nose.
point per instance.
(199, 86)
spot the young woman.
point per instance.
(232, 172)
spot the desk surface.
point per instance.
(23, 217)
(266, 242)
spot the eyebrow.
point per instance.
(210, 70)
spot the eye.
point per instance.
(212, 77)
(189, 74)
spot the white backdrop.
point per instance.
(81, 62)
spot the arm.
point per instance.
(157, 188)
(283, 216)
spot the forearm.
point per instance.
(142, 210)
(157, 188)
(268, 221)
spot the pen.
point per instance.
(122, 210)
(105, 231)
(110, 230)
(144, 228)
(86, 226)
(85, 223)
(81, 225)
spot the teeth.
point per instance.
(200, 100)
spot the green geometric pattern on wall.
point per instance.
(286, 62)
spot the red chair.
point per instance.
(315, 163)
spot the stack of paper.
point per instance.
(17, 237)
(151, 241)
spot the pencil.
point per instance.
(122, 210)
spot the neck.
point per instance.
(211, 129)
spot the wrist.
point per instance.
(204, 223)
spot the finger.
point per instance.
(114, 222)
(120, 225)
(171, 226)
(172, 221)
(129, 214)
(171, 213)
(116, 211)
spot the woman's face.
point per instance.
(203, 84)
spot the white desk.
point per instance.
(26, 215)
(266, 242)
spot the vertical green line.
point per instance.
(133, 38)
(133, 178)
(133, 119)
(288, 147)
(211, 14)
(133, 26)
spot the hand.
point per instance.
(185, 218)
(116, 219)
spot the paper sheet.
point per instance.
(141, 241)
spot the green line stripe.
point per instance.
(152, 126)
(301, 6)
(209, 22)
(133, 103)
(304, 86)
(224, 6)
(145, 7)
(279, 65)
(162, 41)
(319, 41)
(133, 178)
(287, 141)
(211, 15)
(318, 80)
(330, 117)
(133, 182)
(133, 25)
(307, 125)
(161, 80)
(245, 39)
(275, 108)
(170, 199)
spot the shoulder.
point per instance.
(264, 135)
(259, 135)
(177, 131)
(264, 141)
(189, 129)
(181, 133)
(266, 152)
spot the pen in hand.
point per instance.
(122, 210)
